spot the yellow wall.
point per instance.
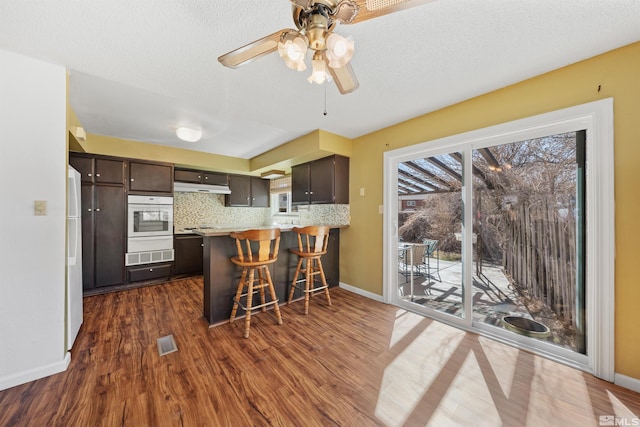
(617, 73)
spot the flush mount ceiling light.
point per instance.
(272, 174)
(188, 134)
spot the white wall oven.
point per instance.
(150, 229)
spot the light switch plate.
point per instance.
(40, 207)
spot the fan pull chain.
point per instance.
(325, 98)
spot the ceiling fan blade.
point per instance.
(305, 4)
(345, 78)
(370, 9)
(253, 50)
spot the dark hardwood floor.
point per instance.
(356, 363)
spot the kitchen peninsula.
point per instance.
(221, 276)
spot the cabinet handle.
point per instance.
(199, 177)
(306, 192)
(89, 210)
(98, 210)
(206, 177)
(310, 192)
(254, 199)
(132, 180)
(202, 244)
(97, 174)
(89, 174)
(151, 269)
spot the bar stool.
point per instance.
(312, 244)
(259, 251)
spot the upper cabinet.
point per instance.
(98, 170)
(247, 191)
(148, 177)
(200, 177)
(321, 181)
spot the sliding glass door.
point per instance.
(490, 234)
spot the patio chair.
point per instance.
(415, 263)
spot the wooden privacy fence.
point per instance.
(540, 254)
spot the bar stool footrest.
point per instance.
(254, 307)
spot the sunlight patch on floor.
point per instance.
(563, 394)
(411, 373)
(620, 410)
(503, 361)
(466, 401)
(405, 322)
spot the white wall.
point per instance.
(33, 163)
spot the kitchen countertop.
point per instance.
(225, 231)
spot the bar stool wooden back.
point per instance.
(312, 244)
(257, 249)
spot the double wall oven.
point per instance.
(150, 229)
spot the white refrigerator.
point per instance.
(74, 258)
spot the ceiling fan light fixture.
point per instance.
(293, 50)
(339, 50)
(319, 74)
(188, 134)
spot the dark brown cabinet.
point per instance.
(150, 178)
(99, 170)
(149, 272)
(103, 220)
(188, 254)
(247, 191)
(200, 177)
(321, 181)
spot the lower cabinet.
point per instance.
(188, 254)
(142, 273)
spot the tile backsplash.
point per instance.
(195, 209)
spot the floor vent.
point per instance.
(166, 345)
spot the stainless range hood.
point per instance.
(185, 187)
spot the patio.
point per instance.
(441, 289)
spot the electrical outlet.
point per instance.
(40, 207)
(362, 191)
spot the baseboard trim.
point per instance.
(361, 292)
(35, 374)
(627, 382)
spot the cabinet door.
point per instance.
(188, 254)
(84, 165)
(321, 179)
(300, 184)
(194, 177)
(88, 242)
(109, 171)
(259, 192)
(150, 177)
(110, 230)
(341, 180)
(214, 178)
(240, 187)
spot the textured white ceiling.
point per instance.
(139, 69)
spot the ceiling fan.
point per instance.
(315, 21)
